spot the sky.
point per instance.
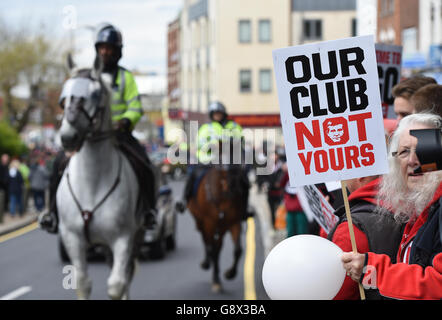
(143, 24)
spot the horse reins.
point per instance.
(86, 214)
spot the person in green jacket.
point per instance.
(209, 136)
(126, 112)
(25, 171)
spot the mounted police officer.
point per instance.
(126, 112)
(209, 135)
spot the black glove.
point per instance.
(123, 125)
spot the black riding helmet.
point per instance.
(112, 36)
(217, 107)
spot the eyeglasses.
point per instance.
(403, 153)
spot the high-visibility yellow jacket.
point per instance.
(213, 132)
(125, 99)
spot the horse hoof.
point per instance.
(116, 291)
(217, 288)
(82, 295)
(205, 265)
(230, 274)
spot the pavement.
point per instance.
(10, 224)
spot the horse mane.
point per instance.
(82, 73)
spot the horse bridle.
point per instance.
(94, 132)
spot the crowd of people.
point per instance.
(24, 178)
(286, 213)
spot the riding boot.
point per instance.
(49, 220)
(248, 211)
(148, 201)
(142, 166)
(180, 206)
(146, 183)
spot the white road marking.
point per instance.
(16, 293)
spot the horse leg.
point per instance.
(235, 231)
(205, 264)
(139, 238)
(216, 249)
(132, 266)
(76, 247)
(122, 268)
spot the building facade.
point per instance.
(226, 52)
(416, 25)
(398, 23)
(430, 27)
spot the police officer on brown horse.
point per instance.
(209, 134)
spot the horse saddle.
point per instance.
(164, 190)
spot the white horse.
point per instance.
(97, 198)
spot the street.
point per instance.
(32, 269)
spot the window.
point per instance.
(208, 56)
(245, 31)
(354, 27)
(197, 58)
(312, 29)
(265, 31)
(387, 7)
(409, 40)
(245, 80)
(265, 80)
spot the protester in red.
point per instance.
(416, 199)
(373, 231)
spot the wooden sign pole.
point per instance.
(350, 229)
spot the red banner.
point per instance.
(257, 120)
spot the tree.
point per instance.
(10, 141)
(30, 58)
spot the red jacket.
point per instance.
(403, 280)
(341, 237)
(291, 201)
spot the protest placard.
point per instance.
(331, 111)
(315, 206)
(389, 60)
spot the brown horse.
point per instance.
(218, 207)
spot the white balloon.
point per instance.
(303, 267)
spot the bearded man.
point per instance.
(414, 198)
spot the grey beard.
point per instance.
(416, 200)
(408, 204)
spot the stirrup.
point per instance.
(48, 221)
(250, 213)
(150, 219)
(180, 207)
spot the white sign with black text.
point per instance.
(389, 60)
(331, 112)
(315, 206)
